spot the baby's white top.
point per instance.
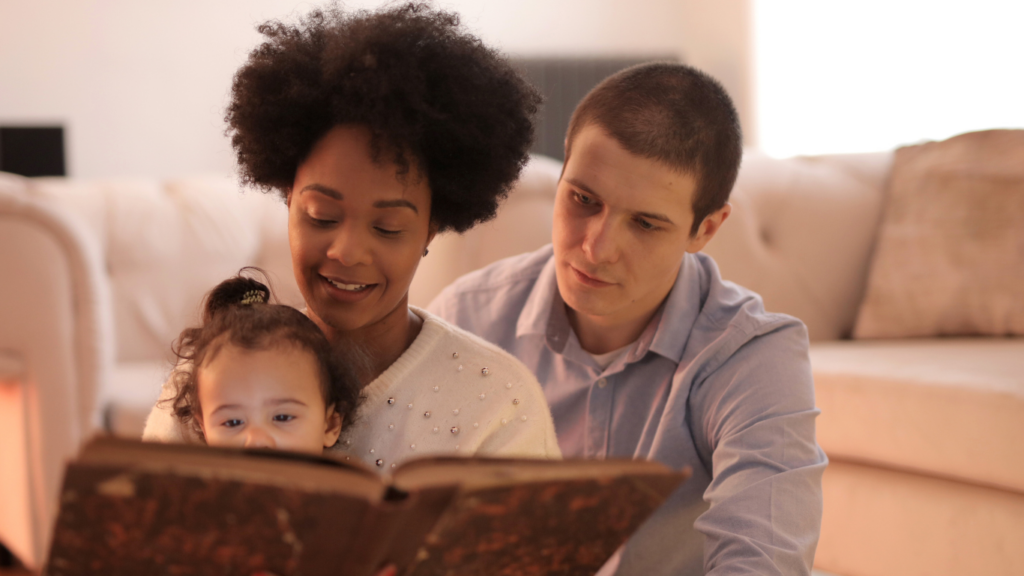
(450, 392)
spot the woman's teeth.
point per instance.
(348, 287)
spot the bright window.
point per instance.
(872, 75)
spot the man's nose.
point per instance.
(599, 242)
(258, 437)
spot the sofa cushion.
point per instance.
(777, 206)
(889, 523)
(165, 244)
(946, 407)
(950, 254)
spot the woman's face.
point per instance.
(357, 232)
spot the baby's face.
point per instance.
(265, 399)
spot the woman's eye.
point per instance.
(387, 231)
(232, 423)
(321, 222)
(283, 418)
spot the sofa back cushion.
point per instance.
(950, 257)
(167, 243)
(801, 234)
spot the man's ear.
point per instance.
(708, 228)
(332, 428)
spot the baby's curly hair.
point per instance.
(433, 97)
(238, 312)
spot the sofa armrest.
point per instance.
(54, 317)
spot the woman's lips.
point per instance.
(347, 290)
(587, 280)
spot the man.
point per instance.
(643, 350)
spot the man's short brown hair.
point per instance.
(673, 114)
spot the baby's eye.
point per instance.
(232, 423)
(283, 418)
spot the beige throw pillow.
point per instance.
(950, 253)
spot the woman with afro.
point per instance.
(380, 130)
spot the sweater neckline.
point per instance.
(430, 332)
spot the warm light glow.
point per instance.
(873, 75)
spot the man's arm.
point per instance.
(753, 420)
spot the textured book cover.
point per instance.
(133, 508)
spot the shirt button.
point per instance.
(602, 383)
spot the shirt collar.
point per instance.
(666, 334)
(544, 311)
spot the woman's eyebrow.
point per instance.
(400, 203)
(325, 190)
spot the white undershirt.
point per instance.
(607, 359)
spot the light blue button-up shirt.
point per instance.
(714, 382)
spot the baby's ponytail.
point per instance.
(237, 291)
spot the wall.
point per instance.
(141, 86)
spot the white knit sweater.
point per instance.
(450, 392)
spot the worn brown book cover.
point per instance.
(129, 507)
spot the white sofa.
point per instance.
(925, 437)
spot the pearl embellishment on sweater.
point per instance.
(485, 371)
(455, 412)
(380, 462)
(455, 355)
(436, 429)
(508, 385)
(409, 406)
(371, 450)
(426, 414)
(437, 388)
(455, 430)
(412, 446)
(515, 401)
(482, 396)
(460, 368)
(391, 426)
(391, 401)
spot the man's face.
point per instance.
(621, 227)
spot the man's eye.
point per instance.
(583, 199)
(232, 423)
(283, 418)
(644, 224)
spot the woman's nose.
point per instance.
(349, 246)
(258, 437)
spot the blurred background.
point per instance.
(140, 87)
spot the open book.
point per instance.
(130, 507)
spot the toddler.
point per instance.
(260, 375)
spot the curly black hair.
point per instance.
(238, 311)
(433, 97)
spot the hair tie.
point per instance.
(254, 297)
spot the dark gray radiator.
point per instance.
(564, 82)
